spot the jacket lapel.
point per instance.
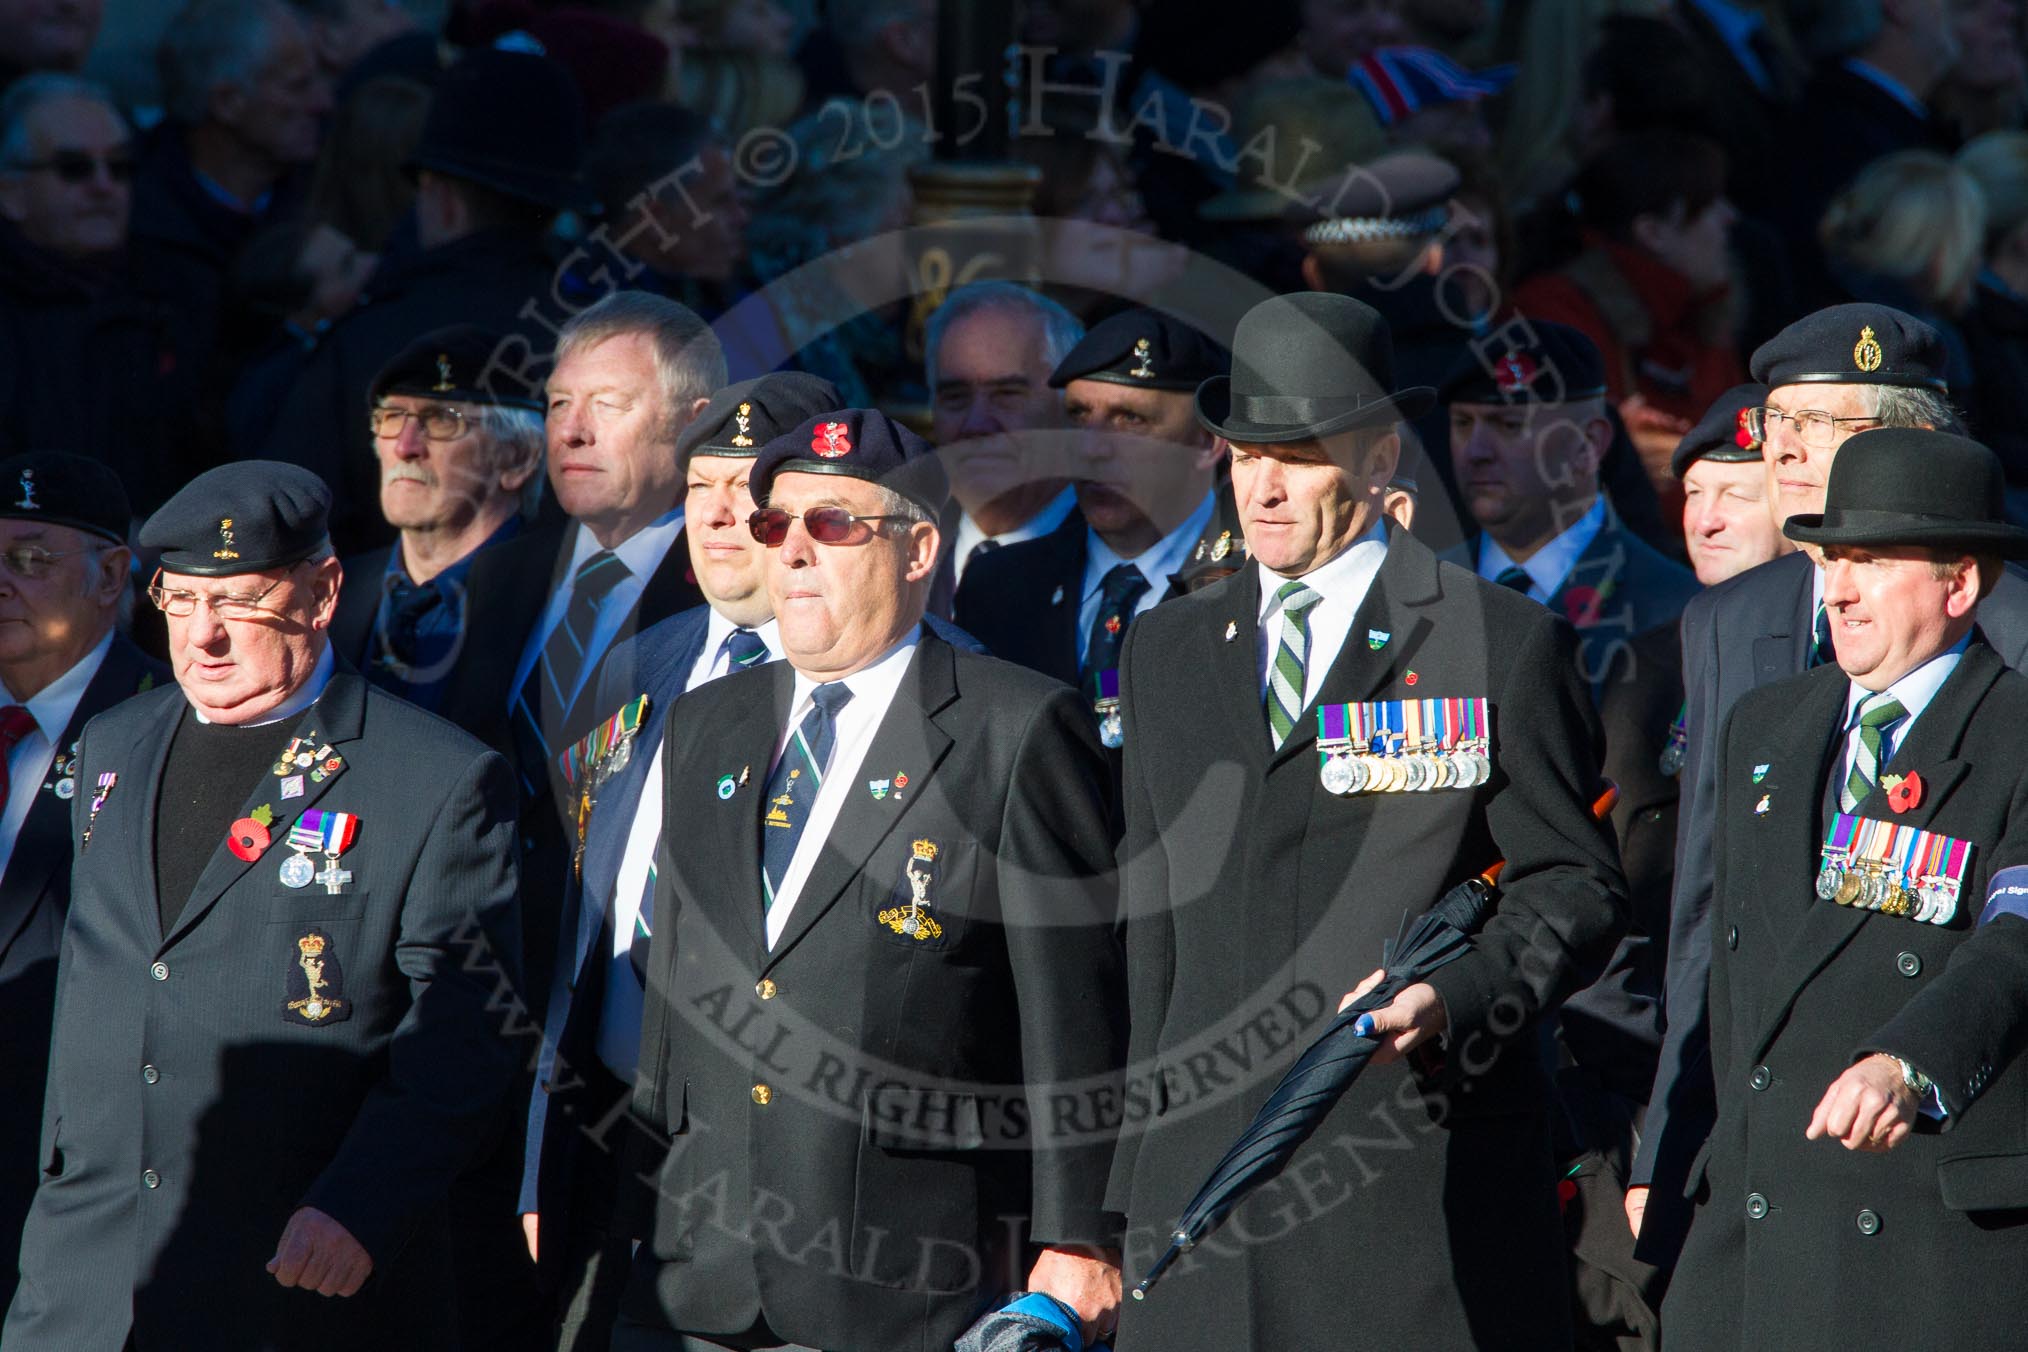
(1232, 640)
(748, 740)
(337, 719)
(1065, 579)
(908, 739)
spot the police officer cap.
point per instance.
(455, 364)
(1722, 433)
(1853, 345)
(1543, 363)
(65, 490)
(1145, 348)
(240, 518)
(742, 418)
(859, 443)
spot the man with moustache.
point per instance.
(1829, 375)
(896, 852)
(292, 914)
(459, 461)
(1250, 864)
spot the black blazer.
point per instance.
(1253, 900)
(902, 1098)
(358, 604)
(1746, 632)
(1800, 988)
(34, 899)
(187, 1116)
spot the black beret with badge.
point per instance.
(1856, 344)
(1145, 348)
(65, 490)
(455, 364)
(240, 518)
(1553, 364)
(1728, 431)
(858, 443)
(742, 418)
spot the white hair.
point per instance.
(1061, 329)
(31, 93)
(688, 359)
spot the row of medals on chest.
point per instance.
(1876, 885)
(1412, 767)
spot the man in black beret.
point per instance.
(896, 884)
(1870, 869)
(292, 921)
(460, 468)
(1727, 527)
(1260, 883)
(1830, 375)
(64, 584)
(1150, 496)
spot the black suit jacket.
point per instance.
(882, 1116)
(1253, 900)
(1746, 632)
(358, 604)
(34, 899)
(1800, 988)
(187, 1116)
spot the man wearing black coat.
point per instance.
(886, 864)
(1424, 1211)
(292, 927)
(63, 576)
(1867, 1005)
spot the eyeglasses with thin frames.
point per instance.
(181, 604)
(439, 422)
(827, 525)
(1814, 428)
(32, 562)
(80, 166)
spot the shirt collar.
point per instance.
(1548, 566)
(1916, 689)
(717, 627)
(1158, 562)
(1043, 522)
(52, 706)
(310, 692)
(642, 551)
(878, 681)
(1344, 580)
(1888, 85)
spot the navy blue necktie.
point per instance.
(541, 714)
(1822, 649)
(792, 788)
(744, 648)
(1120, 591)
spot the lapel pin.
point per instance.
(878, 788)
(292, 787)
(727, 786)
(105, 789)
(1231, 630)
(1376, 639)
(1760, 808)
(1903, 791)
(1056, 597)
(1410, 679)
(900, 783)
(1759, 773)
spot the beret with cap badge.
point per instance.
(65, 490)
(857, 443)
(743, 417)
(244, 517)
(455, 364)
(1724, 433)
(1855, 344)
(1145, 348)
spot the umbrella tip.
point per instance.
(1141, 1291)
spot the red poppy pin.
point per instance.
(1903, 791)
(1581, 605)
(831, 441)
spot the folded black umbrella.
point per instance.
(1327, 1068)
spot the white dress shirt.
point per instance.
(642, 552)
(970, 537)
(1157, 563)
(52, 708)
(1548, 566)
(873, 691)
(1915, 691)
(619, 1035)
(1343, 583)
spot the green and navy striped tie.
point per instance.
(1876, 713)
(1292, 653)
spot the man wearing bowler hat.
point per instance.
(1869, 999)
(1829, 375)
(1284, 806)
(292, 925)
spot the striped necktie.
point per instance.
(542, 708)
(1515, 578)
(1876, 713)
(793, 787)
(1821, 648)
(1292, 652)
(744, 648)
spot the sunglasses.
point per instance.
(827, 525)
(80, 166)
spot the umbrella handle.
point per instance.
(1600, 809)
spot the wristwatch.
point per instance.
(1918, 1083)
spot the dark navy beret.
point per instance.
(240, 518)
(1543, 363)
(65, 490)
(742, 418)
(860, 443)
(1722, 433)
(455, 364)
(1854, 344)
(1146, 348)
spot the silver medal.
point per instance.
(1336, 775)
(297, 871)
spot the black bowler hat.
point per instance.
(1552, 364)
(1145, 348)
(1853, 345)
(65, 490)
(454, 364)
(1306, 366)
(240, 518)
(1913, 486)
(1723, 433)
(742, 418)
(509, 121)
(859, 443)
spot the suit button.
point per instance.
(1868, 1222)
(1908, 964)
(1756, 1206)
(766, 989)
(1761, 1078)
(1732, 936)
(763, 1095)
(150, 1179)
(160, 971)
(150, 1074)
